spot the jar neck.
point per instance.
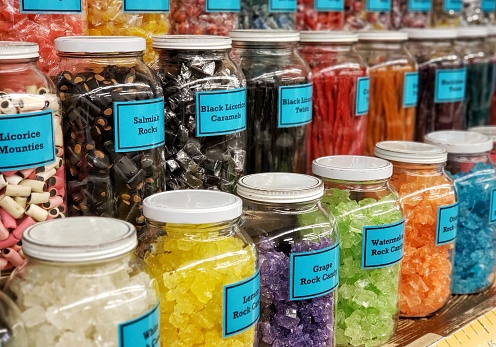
(224, 227)
(89, 263)
(369, 186)
(431, 168)
(18, 64)
(183, 54)
(266, 48)
(102, 55)
(432, 43)
(286, 208)
(375, 45)
(469, 157)
(326, 47)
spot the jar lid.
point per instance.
(194, 206)
(352, 168)
(99, 44)
(378, 35)
(198, 42)
(410, 152)
(491, 30)
(487, 130)
(262, 35)
(459, 141)
(328, 36)
(18, 50)
(430, 34)
(280, 187)
(475, 31)
(79, 239)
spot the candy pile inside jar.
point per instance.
(367, 15)
(311, 15)
(267, 14)
(410, 14)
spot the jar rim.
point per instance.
(191, 42)
(328, 36)
(18, 50)
(380, 36)
(100, 44)
(410, 152)
(263, 35)
(352, 168)
(460, 141)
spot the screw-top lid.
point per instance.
(459, 141)
(99, 44)
(378, 35)
(202, 42)
(491, 30)
(79, 239)
(430, 34)
(487, 130)
(259, 35)
(18, 50)
(280, 187)
(410, 152)
(328, 36)
(352, 168)
(469, 32)
(192, 207)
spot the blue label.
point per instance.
(314, 273)
(447, 224)
(410, 90)
(382, 245)
(329, 5)
(419, 5)
(450, 85)
(492, 207)
(295, 105)
(378, 5)
(27, 140)
(488, 5)
(223, 5)
(51, 6)
(145, 5)
(282, 5)
(362, 96)
(453, 5)
(240, 305)
(143, 331)
(220, 112)
(139, 124)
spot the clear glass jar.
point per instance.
(446, 13)
(442, 78)
(206, 267)
(475, 179)
(367, 15)
(470, 44)
(393, 87)
(12, 327)
(320, 15)
(340, 98)
(411, 14)
(428, 199)
(82, 285)
(32, 178)
(298, 247)
(371, 228)
(279, 99)
(267, 14)
(205, 112)
(112, 104)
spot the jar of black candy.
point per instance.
(205, 112)
(112, 104)
(279, 99)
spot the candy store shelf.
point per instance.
(466, 321)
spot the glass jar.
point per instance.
(491, 44)
(205, 112)
(446, 13)
(279, 99)
(442, 77)
(112, 104)
(371, 228)
(428, 199)
(340, 99)
(411, 14)
(12, 327)
(320, 15)
(393, 87)
(298, 247)
(206, 267)
(475, 179)
(32, 175)
(479, 87)
(82, 285)
(367, 15)
(267, 14)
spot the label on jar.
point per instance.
(492, 207)
(145, 6)
(139, 125)
(282, 5)
(329, 5)
(419, 5)
(295, 105)
(240, 305)
(378, 5)
(452, 5)
(488, 5)
(450, 85)
(362, 96)
(51, 6)
(143, 331)
(313, 274)
(27, 140)
(220, 112)
(410, 90)
(223, 5)
(447, 224)
(382, 245)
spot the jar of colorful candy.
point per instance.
(393, 87)
(411, 14)
(371, 228)
(12, 327)
(32, 179)
(442, 80)
(475, 179)
(367, 15)
(112, 104)
(267, 14)
(428, 198)
(446, 13)
(279, 99)
(206, 267)
(340, 94)
(299, 257)
(320, 15)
